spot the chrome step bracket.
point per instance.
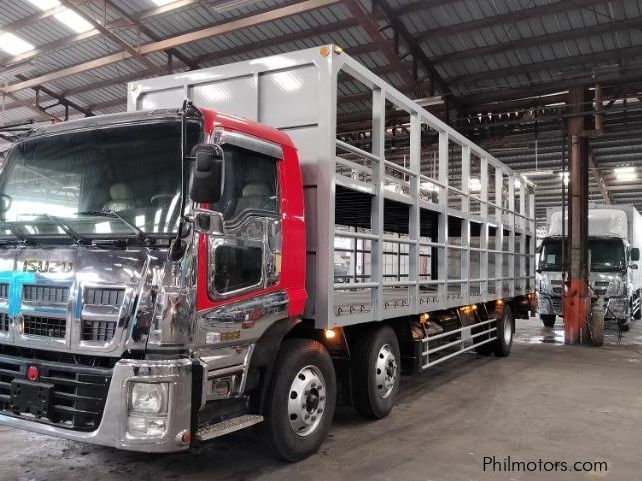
(228, 426)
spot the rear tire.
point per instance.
(376, 372)
(505, 328)
(548, 319)
(301, 400)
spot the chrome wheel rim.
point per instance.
(306, 400)
(508, 331)
(385, 371)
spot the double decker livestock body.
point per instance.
(240, 248)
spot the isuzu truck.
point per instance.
(223, 256)
(614, 242)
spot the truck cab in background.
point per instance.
(614, 243)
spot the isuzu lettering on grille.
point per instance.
(51, 267)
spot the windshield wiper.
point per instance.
(110, 213)
(66, 229)
(16, 232)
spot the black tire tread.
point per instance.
(288, 361)
(498, 345)
(361, 399)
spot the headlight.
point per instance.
(616, 288)
(148, 398)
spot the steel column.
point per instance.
(576, 298)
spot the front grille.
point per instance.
(45, 294)
(44, 326)
(104, 296)
(98, 330)
(4, 291)
(4, 322)
(601, 287)
(79, 392)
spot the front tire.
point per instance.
(548, 319)
(376, 372)
(301, 400)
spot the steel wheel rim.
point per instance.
(386, 371)
(508, 330)
(306, 400)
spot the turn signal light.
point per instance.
(330, 334)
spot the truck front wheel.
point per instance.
(376, 372)
(548, 319)
(301, 401)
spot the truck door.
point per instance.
(246, 259)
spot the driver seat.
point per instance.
(122, 198)
(255, 196)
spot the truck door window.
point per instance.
(250, 185)
(249, 204)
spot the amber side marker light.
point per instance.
(330, 334)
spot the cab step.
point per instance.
(228, 426)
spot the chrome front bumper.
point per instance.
(112, 430)
(614, 308)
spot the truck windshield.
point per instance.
(550, 255)
(606, 255)
(67, 182)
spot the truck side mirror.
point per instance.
(206, 184)
(635, 254)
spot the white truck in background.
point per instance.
(615, 238)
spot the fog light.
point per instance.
(146, 427)
(222, 387)
(147, 397)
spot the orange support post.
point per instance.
(576, 299)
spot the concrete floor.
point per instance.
(546, 401)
